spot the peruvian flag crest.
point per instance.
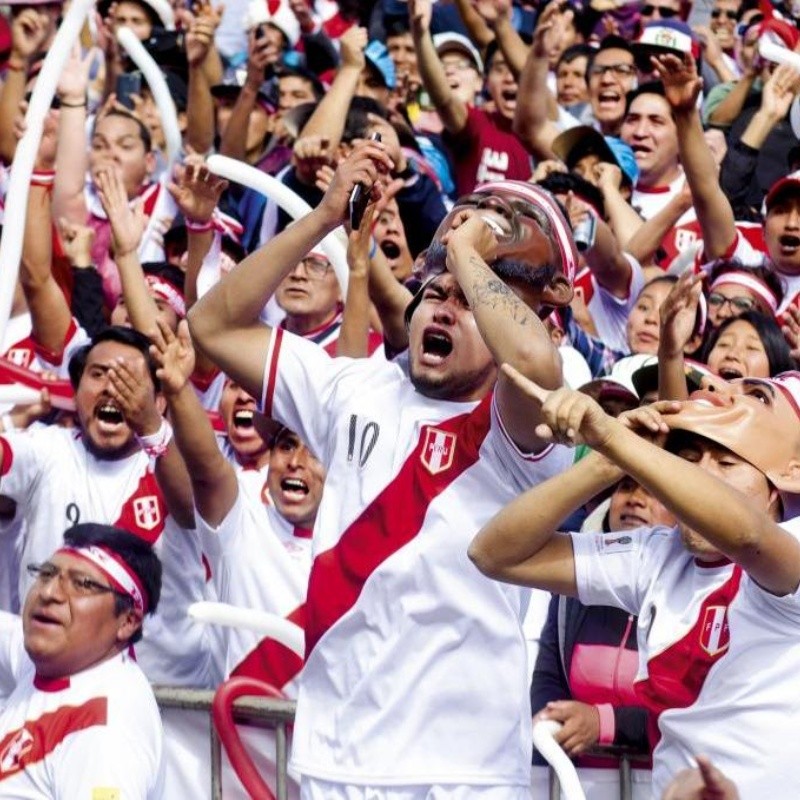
(438, 450)
(714, 633)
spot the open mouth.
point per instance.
(108, 414)
(789, 244)
(509, 95)
(243, 419)
(390, 249)
(294, 488)
(633, 521)
(44, 619)
(730, 373)
(609, 98)
(436, 346)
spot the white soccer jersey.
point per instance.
(718, 656)
(96, 735)
(407, 643)
(57, 483)
(22, 349)
(610, 313)
(258, 563)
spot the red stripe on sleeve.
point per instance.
(272, 371)
(8, 456)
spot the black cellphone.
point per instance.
(359, 197)
(128, 83)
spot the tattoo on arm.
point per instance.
(489, 290)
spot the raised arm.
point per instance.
(200, 125)
(532, 122)
(451, 110)
(214, 483)
(497, 16)
(623, 220)
(646, 238)
(72, 156)
(225, 322)
(714, 213)
(512, 331)
(329, 117)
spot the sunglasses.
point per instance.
(664, 11)
(718, 12)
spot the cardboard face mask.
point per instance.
(756, 419)
(526, 220)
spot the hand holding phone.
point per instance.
(128, 83)
(359, 197)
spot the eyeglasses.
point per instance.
(665, 12)
(620, 70)
(718, 12)
(740, 304)
(76, 583)
(316, 268)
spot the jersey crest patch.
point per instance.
(438, 450)
(146, 512)
(14, 751)
(714, 632)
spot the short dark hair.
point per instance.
(112, 333)
(167, 272)
(134, 551)
(777, 349)
(397, 26)
(144, 132)
(649, 87)
(563, 182)
(610, 42)
(576, 51)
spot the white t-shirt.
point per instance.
(416, 664)
(716, 650)
(258, 563)
(96, 734)
(610, 313)
(57, 483)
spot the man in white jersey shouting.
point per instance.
(717, 597)
(405, 641)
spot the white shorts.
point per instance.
(314, 789)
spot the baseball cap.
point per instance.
(666, 36)
(449, 41)
(575, 143)
(379, 59)
(275, 13)
(618, 383)
(790, 184)
(645, 378)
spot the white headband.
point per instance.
(749, 282)
(166, 291)
(122, 578)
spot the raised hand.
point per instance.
(174, 355)
(491, 11)
(705, 782)
(74, 78)
(419, 16)
(791, 330)
(367, 161)
(28, 33)
(570, 417)
(471, 229)
(682, 84)
(550, 30)
(200, 37)
(127, 223)
(353, 42)
(197, 190)
(678, 314)
(77, 242)
(779, 91)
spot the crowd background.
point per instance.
(670, 142)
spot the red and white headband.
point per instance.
(789, 385)
(167, 292)
(748, 282)
(121, 577)
(543, 200)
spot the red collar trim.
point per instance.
(334, 318)
(302, 533)
(50, 684)
(653, 189)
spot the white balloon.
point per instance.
(27, 148)
(271, 625)
(289, 201)
(549, 749)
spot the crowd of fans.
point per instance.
(656, 129)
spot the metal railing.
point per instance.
(268, 713)
(259, 712)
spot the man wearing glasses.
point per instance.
(311, 299)
(611, 74)
(82, 721)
